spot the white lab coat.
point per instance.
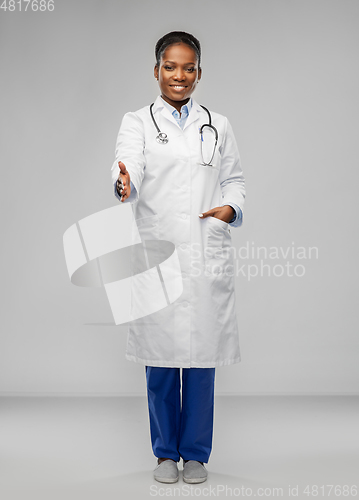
(171, 189)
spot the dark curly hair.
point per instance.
(177, 37)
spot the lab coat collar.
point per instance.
(192, 117)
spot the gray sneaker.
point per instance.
(166, 472)
(194, 472)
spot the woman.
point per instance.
(186, 187)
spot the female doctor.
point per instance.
(179, 165)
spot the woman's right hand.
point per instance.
(123, 184)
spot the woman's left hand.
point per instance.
(225, 213)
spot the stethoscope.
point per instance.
(163, 139)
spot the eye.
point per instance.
(190, 70)
(168, 68)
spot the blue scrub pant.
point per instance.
(181, 431)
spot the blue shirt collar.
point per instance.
(185, 109)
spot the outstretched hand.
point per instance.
(123, 185)
(225, 213)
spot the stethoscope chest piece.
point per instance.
(162, 138)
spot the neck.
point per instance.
(176, 104)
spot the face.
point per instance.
(178, 74)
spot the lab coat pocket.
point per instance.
(218, 256)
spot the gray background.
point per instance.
(285, 73)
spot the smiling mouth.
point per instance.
(178, 87)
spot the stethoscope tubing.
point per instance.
(163, 139)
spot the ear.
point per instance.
(199, 74)
(156, 72)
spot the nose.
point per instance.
(179, 75)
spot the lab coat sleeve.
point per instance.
(238, 215)
(231, 175)
(129, 150)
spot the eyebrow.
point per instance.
(172, 62)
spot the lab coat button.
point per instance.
(184, 216)
(184, 246)
(185, 304)
(184, 275)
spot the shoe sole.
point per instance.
(166, 479)
(194, 480)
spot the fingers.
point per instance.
(125, 194)
(122, 179)
(209, 213)
(122, 188)
(223, 213)
(121, 191)
(126, 179)
(124, 175)
(119, 186)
